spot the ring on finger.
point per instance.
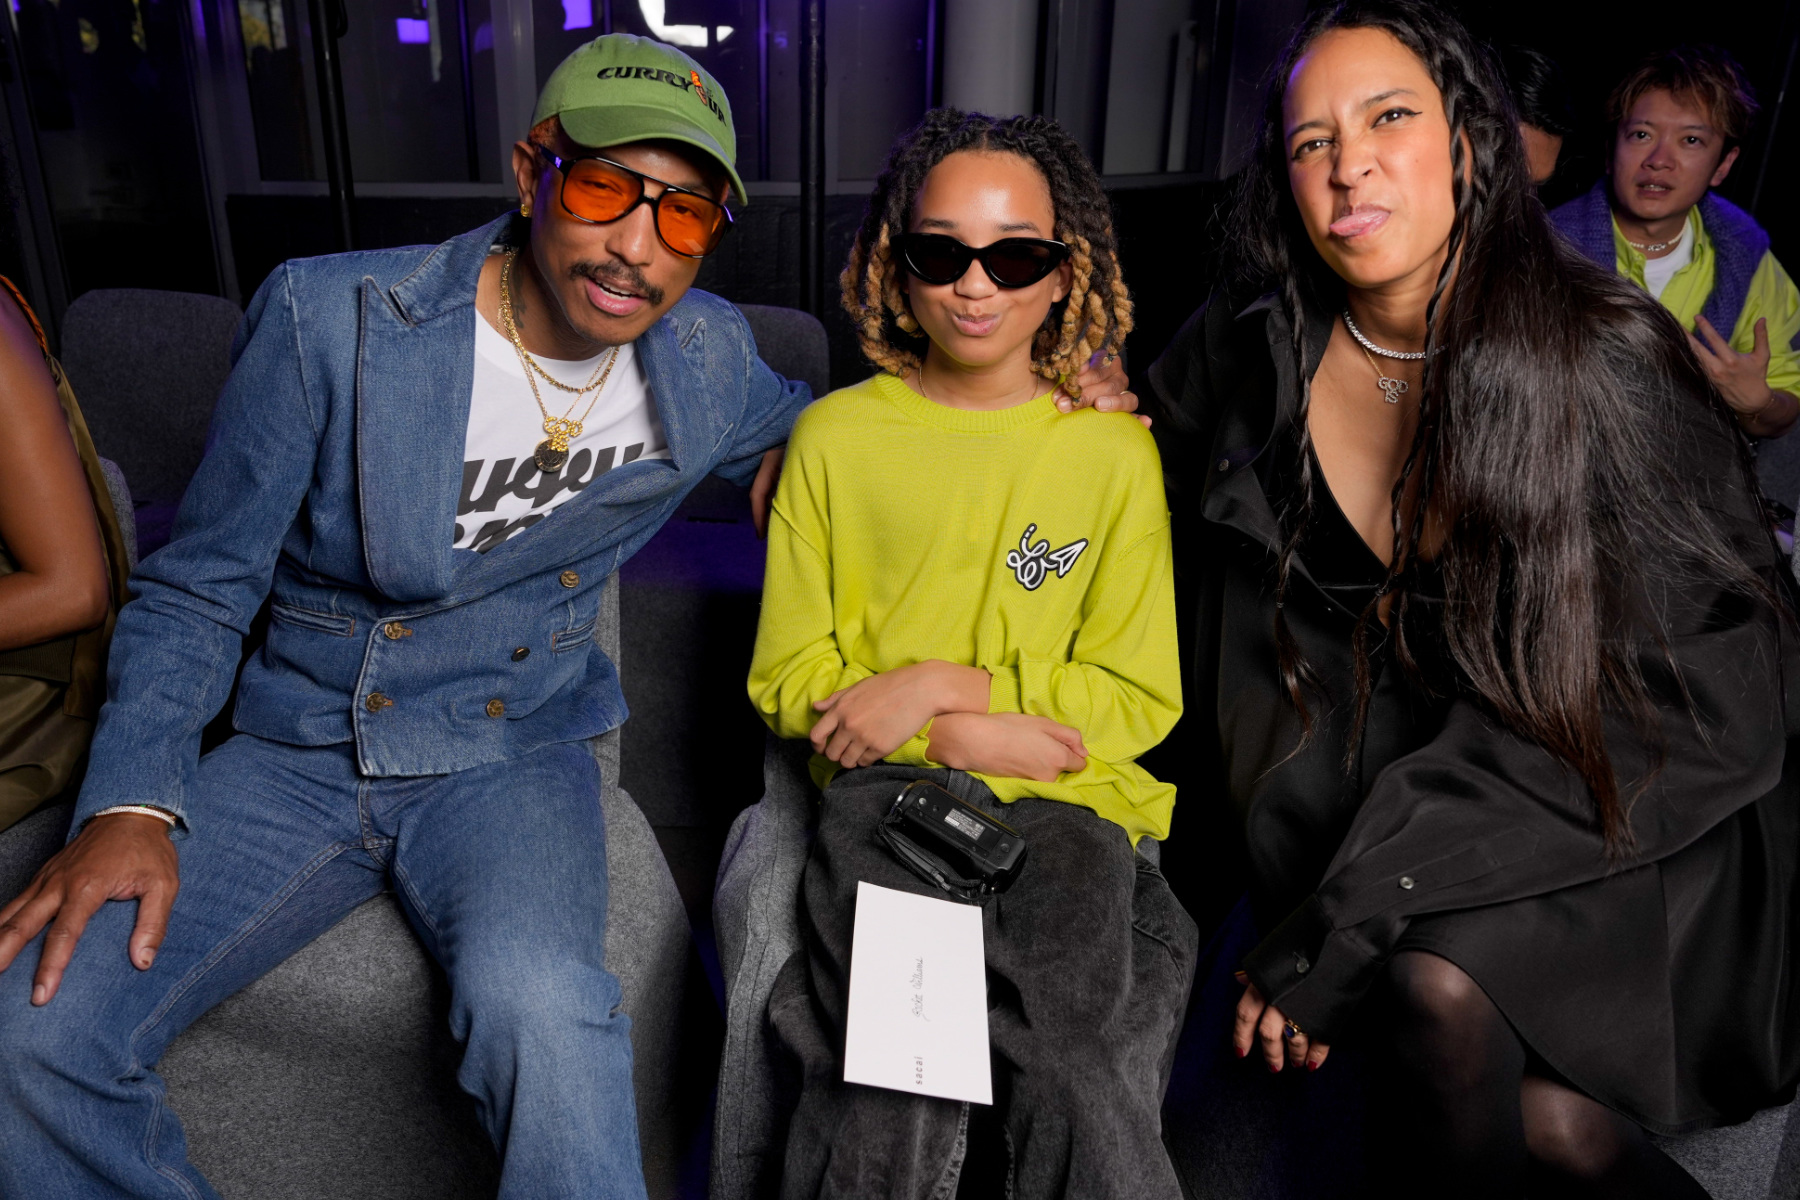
(1290, 1031)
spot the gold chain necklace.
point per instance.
(921, 374)
(553, 451)
(506, 316)
(1391, 389)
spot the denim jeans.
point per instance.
(500, 868)
(1089, 960)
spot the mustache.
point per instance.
(620, 277)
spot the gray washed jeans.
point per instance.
(1089, 961)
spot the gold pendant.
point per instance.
(548, 458)
(553, 451)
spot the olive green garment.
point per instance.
(51, 692)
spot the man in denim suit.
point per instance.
(419, 715)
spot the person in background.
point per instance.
(917, 625)
(1542, 101)
(63, 564)
(1678, 123)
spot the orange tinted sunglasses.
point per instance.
(600, 191)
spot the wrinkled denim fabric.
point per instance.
(331, 485)
(501, 871)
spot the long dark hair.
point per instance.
(1553, 398)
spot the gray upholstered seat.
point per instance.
(1778, 468)
(792, 342)
(1758, 1160)
(335, 1073)
(147, 366)
(120, 493)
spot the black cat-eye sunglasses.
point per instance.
(1010, 262)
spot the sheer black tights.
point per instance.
(1467, 1112)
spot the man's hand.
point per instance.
(762, 489)
(1260, 1021)
(1743, 379)
(120, 857)
(1104, 387)
(1008, 745)
(869, 720)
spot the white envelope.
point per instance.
(918, 997)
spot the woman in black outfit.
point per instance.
(1488, 644)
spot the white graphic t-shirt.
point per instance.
(1659, 271)
(503, 492)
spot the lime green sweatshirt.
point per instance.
(1026, 542)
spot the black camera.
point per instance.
(987, 854)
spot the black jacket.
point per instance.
(1661, 985)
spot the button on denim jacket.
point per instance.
(330, 484)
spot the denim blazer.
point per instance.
(330, 485)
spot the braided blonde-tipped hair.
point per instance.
(1095, 316)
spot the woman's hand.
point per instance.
(869, 720)
(1259, 1021)
(1104, 388)
(1009, 745)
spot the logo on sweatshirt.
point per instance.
(1032, 562)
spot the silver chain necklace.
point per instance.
(1371, 347)
(1657, 247)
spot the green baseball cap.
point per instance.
(622, 88)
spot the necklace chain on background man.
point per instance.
(553, 451)
(1657, 247)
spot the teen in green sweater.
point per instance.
(964, 586)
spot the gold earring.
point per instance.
(525, 211)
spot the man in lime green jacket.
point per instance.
(1678, 120)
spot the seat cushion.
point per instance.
(147, 366)
(792, 342)
(1737, 1162)
(335, 1073)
